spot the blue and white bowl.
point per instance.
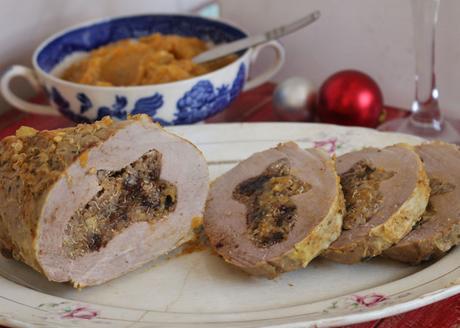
(181, 102)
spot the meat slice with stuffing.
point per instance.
(89, 203)
(439, 229)
(386, 191)
(275, 211)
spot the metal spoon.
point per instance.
(252, 41)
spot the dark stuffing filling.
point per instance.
(133, 194)
(360, 185)
(438, 187)
(271, 213)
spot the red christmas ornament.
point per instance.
(350, 98)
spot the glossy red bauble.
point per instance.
(350, 98)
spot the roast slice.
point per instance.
(439, 228)
(276, 210)
(386, 191)
(90, 203)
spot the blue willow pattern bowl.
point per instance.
(182, 102)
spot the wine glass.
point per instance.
(426, 119)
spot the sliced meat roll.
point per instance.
(386, 191)
(439, 228)
(90, 203)
(276, 210)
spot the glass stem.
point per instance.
(425, 109)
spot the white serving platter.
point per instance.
(200, 290)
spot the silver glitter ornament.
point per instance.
(294, 99)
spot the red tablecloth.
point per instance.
(255, 106)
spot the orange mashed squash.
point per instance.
(152, 59)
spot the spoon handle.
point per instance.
(232, 47)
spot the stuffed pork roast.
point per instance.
(90, 203)
(276, 210)
(386, 191)
(439, 228)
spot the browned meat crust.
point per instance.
(30, 163)
(90, 203)
(386, 191)
(439, 228)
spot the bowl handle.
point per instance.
(13, 100)
(265, 76)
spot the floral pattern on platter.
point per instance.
(80, 313)
(205, 100)
(331, 145)
(67, 310)
(358, 301)
(370, 299)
